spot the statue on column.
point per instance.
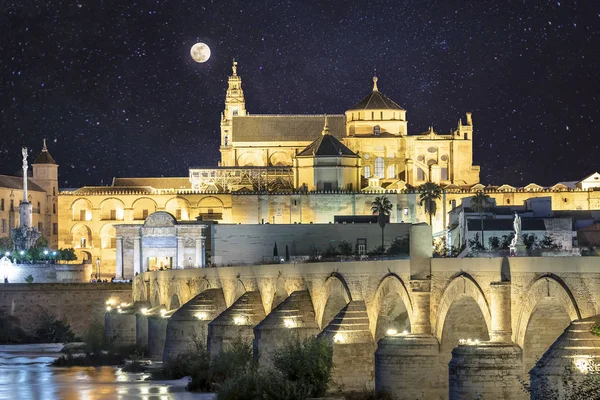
(25, 236)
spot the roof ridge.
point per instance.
(288, 115)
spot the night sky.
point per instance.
(112, 86)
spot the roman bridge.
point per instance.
(393, 324)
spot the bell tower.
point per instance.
(235, 105)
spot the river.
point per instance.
(26, 375)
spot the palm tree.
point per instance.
(479, 203)
(382, 207)
(429, 194)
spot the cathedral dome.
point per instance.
(376, 101)
(326, 146)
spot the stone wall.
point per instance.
(48, 273)
(78, 303)
(251, 244)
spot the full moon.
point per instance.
(200, 52)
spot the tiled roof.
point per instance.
(44, 158)
(156, 183)
(104, 190)
(326, 146)
(285, 128)
(16, 182)
(376, 101)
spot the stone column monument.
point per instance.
(25, 236)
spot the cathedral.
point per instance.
(366, 147)
(301, 169)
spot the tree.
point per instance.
(429, 194)
(382, 207)
(287, 253)
(479, 203)
(494, 243)
(275, 252)
(345, 248)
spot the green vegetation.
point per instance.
(49, 330)
(52, 330)
(29, 279)
(596, 330)
(429, 194)
(302, 369)
(382, 207)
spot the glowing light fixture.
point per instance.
(391, 332)
(338, 338)
(22, 252)
(289, 323)
(239, 320)
(110, 302)
(404, 332)
(108, 308)
(144, 311)
(7, 253)
(123, 304)
(163, 313)
(201, 315)
(45, 252)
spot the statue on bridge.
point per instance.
(517, 247)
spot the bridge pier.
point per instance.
(569, 369)
(408, 367)
(486, 371)
(353, 347)
(157, 334)
(490, 370)
(120, 327)
(294, 318)
(188, 326)
(236, 323)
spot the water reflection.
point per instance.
(26, 375)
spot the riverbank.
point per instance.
(25, 374)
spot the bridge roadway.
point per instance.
(515, 308)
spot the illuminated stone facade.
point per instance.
(287, 169)
(42, 194)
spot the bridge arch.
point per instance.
(335, 294)
(548, 307)
(462, 286)
(392, 307)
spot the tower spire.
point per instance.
(234, 67)
(44, 148)
(375, 84)
(325, 130)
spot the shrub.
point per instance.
(11, 331)
(331, 251)
(52, 330)
(345, 248)
(494, 243)
(269, 385)
(379, 250)
(29, 279)
(308, 363)
(233, 361)
(399, 246)
(94, 338)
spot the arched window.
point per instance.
(367, 171)
(391, 171)
(379, 167)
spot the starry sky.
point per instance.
(112, 86)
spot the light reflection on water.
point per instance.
(26, 375)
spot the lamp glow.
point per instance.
(108, 308)
(7, 253)
(110, 302)
(144, 311)
(45, 252)
(338, 338)
(239, 320)
(391, 332)
(289, 323)
(404, 332)
(22, 252)
(201, 315)
(163, 313)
